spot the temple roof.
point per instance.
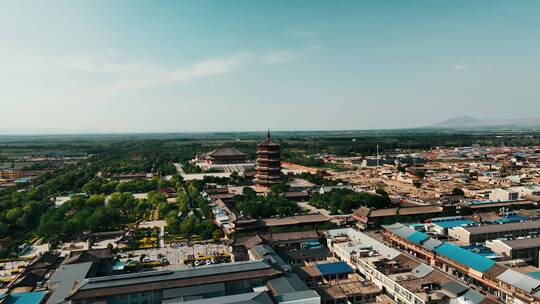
(225, 151)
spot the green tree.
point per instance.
(192, 190)
(458, 192)
(279, 188)
(234, 178)
(13, 214)
(248, 191)
(217, 235)
(182, 200)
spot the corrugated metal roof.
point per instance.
(431, 244)
(266, 252)
(464, 257)
(217, 288)
(422, 270)
(393, 226)
(63, 279)
(287, 283)
(404, 232)
(503, 227)
(453, 223)
(520, 280)
(417, 237)
(301, 296)
(334, 268)
(260, 297)
(26, 297)
(470, 296)
(534, 274)
(455, 288)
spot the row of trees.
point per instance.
(346, 201)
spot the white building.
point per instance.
(503, 195)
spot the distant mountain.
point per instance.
(467, 122)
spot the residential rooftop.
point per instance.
(502, 227)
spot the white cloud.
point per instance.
(92, 77)
(137, 76)
(279, 56)
(108, 65)
(461, 66)
(309, 39)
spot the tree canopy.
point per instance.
(346, 201)
(265, 206)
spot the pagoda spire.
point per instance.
(268, 136)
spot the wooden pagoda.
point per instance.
(268, 170)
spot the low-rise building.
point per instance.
(402, 278)
(478, 271)
(503, 195)
(480, 234)
(155, 287)
(10, 174)
(524, 248)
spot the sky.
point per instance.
(185, 66)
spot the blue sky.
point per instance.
(132, 66)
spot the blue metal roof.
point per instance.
(26, 297)
(453, 223)
(23, 180)
(511, 218)
(465, 257)
(118, 266)
(535, 274)
(483, 251)
(334, 268)
(417, 237)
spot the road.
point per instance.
(179, 168)
(312, 209)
